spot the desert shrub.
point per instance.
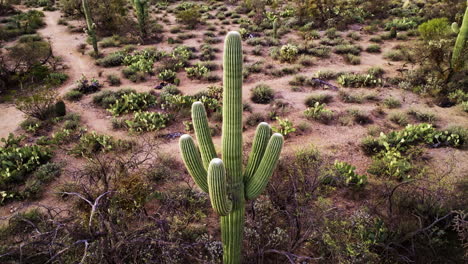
(93, 143)
(18, 161)
(392, 102)
(376, 39)
(288, 53)
(326, 74)
(167, 76)
(39, 105)
(113, 80)
(421, 116)
(352, 59)
(332, 33)
(319, 113)
(347, 172)
(306, 61)
(147, 121)
(347, 49)
(112, 60)
(106, 98)
(401, 24)
(376, 71)
(359, 117)
(262, 94)
(86, 86)
(113, 41)
(189, 16)
(198, 71)
(374, 48)
(311, 100)
(434, 29)
(351, 98)
(285, 127)
(395, 55)
(131, 102)
(399, 118)
(141, 61)
(358, 80)
(254, 119)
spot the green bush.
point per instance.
(358, 80)
(131, 102)
(399, 118)
(73, 95)
(167, 76)
(93, 143)
(18, 161)
(347, 171)
(288, 53)
(374, 48)
(112, 60)
(391, 102)
(285, 128)
(147, 121)
(113, 80)
(198, 71)
(262, 94)
(352, 59)
(319, 113)
(311, 100)
(189, 17)
(434, 29)
(347, 49)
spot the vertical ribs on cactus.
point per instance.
(91, 27)
(460, 43)
(141, 9)
(224, 179)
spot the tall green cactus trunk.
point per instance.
(91, 30)
(141, 9)
(224, 179)
(461, 42)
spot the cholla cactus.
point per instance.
(224, 179)
(91, 30)
(461, 42)
(141, 8)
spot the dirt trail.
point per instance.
(10, 119)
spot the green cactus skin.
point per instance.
(455, 28)
(275, 28)
(91, 31)
(393, 32)
(141, 8)
(461, 42)
(224, 180)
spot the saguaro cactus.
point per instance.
(91, 30)
(141, 9)
(461, 41)
(224, 179)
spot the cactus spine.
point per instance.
(461, 42)
(141, 8)
(228, 186)
(91, 30)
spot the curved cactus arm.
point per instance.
(193, 161)
(455, 28)
(262, 136)
(460, 43)
(217, 185)
(202, 131)
(259, 181)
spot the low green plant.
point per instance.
(374, 48)
(392, 102)
(198, 71)
(147, 121)
(351, 178)
(262, 94)
(399, 118)
(359, 80)
(288, 53)
(131, 102)
(285, 128)
(311, 100)
(93, 143)
(319, 113)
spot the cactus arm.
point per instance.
(217, 186)
(193, 161)
(259, 181)
(262, 136)
(232, 107)
(91, 26)
(202, 130)
(455, 28)
(461, 41)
